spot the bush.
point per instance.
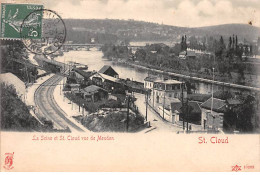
(93, 106)
(112, 122)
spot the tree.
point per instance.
(15, 50)
(222, 44)
(140, 54)
(220, 48)
(230, 43)
(176, 49)
(230, 120)
(233, 45)
(183, 43)
(241, 117)
(236, 42)
(244, 122)
(15, 115)
(247, 50)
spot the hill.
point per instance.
(106, 30)
(247, 31)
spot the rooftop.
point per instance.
(151, 78)
(168, 81)
(83, 73)
(74, 85)
(92, 89)
(218, 105)
(182, 53)
(107, 77)
(195, 108)
(105, 68)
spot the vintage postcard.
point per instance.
(130, 86)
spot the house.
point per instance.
(107, 82)
(108, 70)
(79, 76)
(187, 54)
(182, 55)
(74, 88)
(194, 114)
(213, 119)
(190, 54)
(94, 93)
(164, 91)
(92, 40)
(165, 111)
(149, 81)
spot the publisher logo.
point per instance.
(8, 165)
(236, 168)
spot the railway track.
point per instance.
(48, 107)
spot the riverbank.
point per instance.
(189, 77)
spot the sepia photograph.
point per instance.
(97, 75)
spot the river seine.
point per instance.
(95, 61)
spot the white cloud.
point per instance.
(191, 13)
(206, 7)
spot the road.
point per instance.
(48, 108)
(157, 123)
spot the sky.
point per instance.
(186, 13)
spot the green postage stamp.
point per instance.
(14, 17)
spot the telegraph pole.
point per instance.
(83, 110)
(212, 92)
(71, 101)
(146, 105)
(63, 71)
(28, 79)
(182, 106)
(132, 89)
(187, 112)
(212, 95)
(127, 117)
(163, 103)
(153, 95)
